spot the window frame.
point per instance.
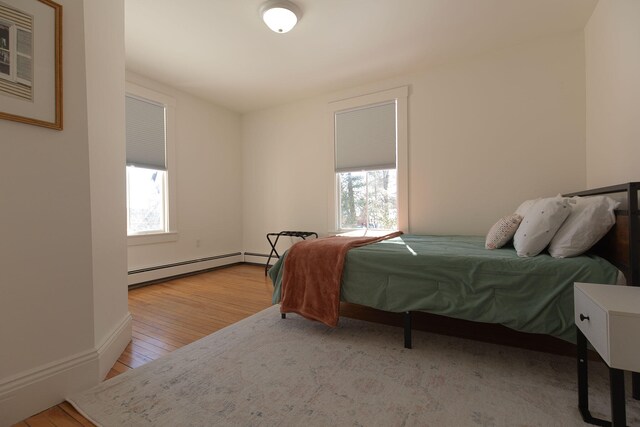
(399, 95)
(171, 210)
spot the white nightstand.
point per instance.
(608, 316)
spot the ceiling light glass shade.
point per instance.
(280, 16)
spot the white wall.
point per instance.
(46, 225)
(612, 39)
(104, 38)
(209, 185)
(51, 318)
(285, 162)
(484, 134)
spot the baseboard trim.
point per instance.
(165, 272)
(35, 375)
(42, 387)
(37, 389)
(113, 346)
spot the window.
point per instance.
(149, 189)
(368, 199)
(370, 161)
(146, 200)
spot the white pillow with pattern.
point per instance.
(540, 224)
(502, 231)
(591, 218)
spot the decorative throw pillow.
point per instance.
(540, 224)
(591, 218)
(502, 231)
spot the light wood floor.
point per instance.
(169, 315)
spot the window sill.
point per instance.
(361, 232)
(151, 239)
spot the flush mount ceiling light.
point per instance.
(280, 15)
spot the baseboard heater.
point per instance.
(256, 254)
(169, 276)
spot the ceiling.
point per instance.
(221, 50)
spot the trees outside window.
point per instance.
(368, 199)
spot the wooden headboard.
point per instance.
(621, 245)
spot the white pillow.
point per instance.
(591, 218)
(502, 231)
(525, 206)
(540, 224)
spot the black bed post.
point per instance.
(407, 329)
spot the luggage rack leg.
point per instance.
(273, 250)
(273, 243)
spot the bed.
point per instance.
(455, 276)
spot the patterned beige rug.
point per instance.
(272, 372)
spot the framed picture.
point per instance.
(31, 62)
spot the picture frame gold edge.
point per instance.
(57, 125)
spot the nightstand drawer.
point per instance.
(595, 328)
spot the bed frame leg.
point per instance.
(407, 329)
(283, 315)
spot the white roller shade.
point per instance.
(145, 134)
(366, 138)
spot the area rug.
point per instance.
(268, 371)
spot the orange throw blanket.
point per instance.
(312, 275)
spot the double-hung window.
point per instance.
(148, 183)
(370, 174)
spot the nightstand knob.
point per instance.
(583, 317)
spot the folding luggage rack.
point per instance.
(301, 234)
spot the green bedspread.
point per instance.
(456, 276)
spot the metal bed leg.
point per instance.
(407, 329)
